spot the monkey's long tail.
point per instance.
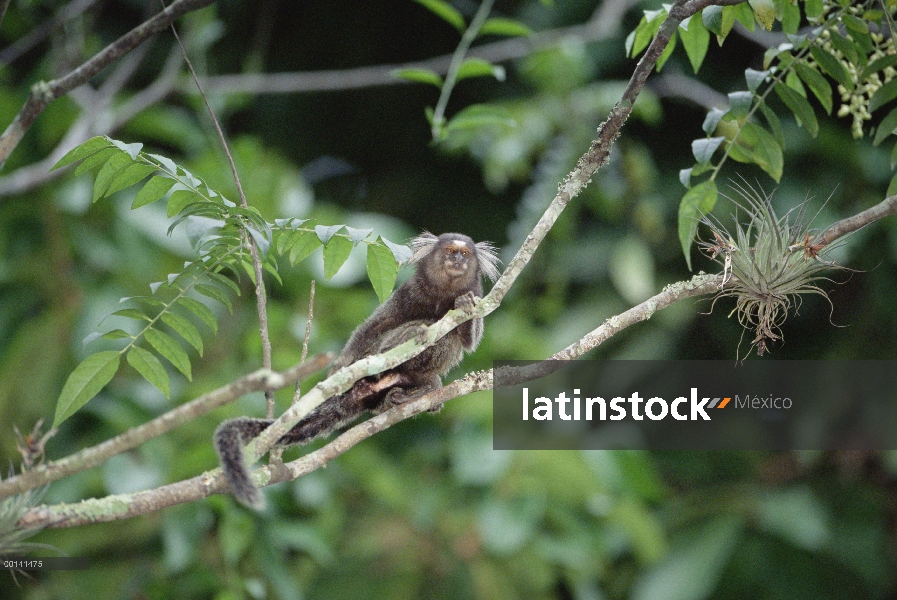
(233, 434)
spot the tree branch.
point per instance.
(261, 380)
(42, 93)
(885, 208)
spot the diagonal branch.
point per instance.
(43, 92)
(261, 380)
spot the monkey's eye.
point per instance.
(449, 250)
(465, 252)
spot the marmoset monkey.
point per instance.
(449, 275)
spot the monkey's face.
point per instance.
(457, 257)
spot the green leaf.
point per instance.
(642, 35)
(764, 11)
(790, 18)
(179, 200)
(306, 243)
(154, 189)
(685, 176)
(419, 76)
(131, 313)
(166, 345)
(712, 17)
(886, 127)
(740, 103)
(150, 368)
(215, 293)
(109, 171)
(879, 64)
(477, 67)
(131, 150)
(813, 9)
(755, 78)
(480, 115)
(382, 269)
(854, 23)
(129, 176)
(203, 312)
(82, 151)
(832, 66)
(774, 124)
(817, 84)
(729, 14)
(325, 232)
(761, 148)
(499, 26)
(697, 202)
(117, 334)
(185, 329)
(336, 252)
(85, 382)
(703, 149)
(225, 281)
(714, 116)
(446, 12)
(95, 161)
(696, 40)
(799, 106)
(883, 95)
(846, 47)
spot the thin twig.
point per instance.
(470, 34)
(885, 208)
(311, 315)
(260, 296)
(42, 31)
(42, 93)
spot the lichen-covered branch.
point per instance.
(885, 208)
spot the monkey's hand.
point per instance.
(466, 302)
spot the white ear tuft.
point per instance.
(487, 254)
(421, 246)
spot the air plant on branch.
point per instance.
(768, 264)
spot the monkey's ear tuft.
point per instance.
(487, 255)
(421, 246)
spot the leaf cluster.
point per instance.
(219, 230)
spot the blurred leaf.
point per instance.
(150, 368)
(740, 103)
(886, 127)
(419, 76)
(703, 149)
(800, 107)
(695, 39)
(477, 67)
(758, 146)
(446, 12)
(325, 232)
(765, 11)
(509, 27)
(696, 203)
(883, 95)
(796, 515)
(693, 567)
(481, 115)
(755, 78)
(832, 66)
(714, 115)
(817, 84)
(85, 382)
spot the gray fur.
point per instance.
(449, 275)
